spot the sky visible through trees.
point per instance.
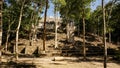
(50, 12)
(86, 28)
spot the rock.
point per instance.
(58, 59)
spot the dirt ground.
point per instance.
(68, 62)
(79, 65)
(64, 62)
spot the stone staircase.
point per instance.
(67, 51)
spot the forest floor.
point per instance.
(62, 61)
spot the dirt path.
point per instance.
(66, 62)
(79, 65)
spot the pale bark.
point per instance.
(67, 30)
(18, 27)
(104, 36)
(70, 32)
(111, 8)
(8, 34)
(56, 44)
(84, 46)
(31, 35)
(55, 14)
(35, 29)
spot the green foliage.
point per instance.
(96, 21)
(60, 2)
(73, 9)
(69, 10)
(11, 12)
(112, 20)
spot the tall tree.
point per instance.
(8, 34)
(57, 5)
(55, 16)
(115, 22)
(104, 35)
(1, 1)
(83, 19)
(85, 6)
(44, 32)
(96, 17)
(68, 12)
(11, 14)
(109, 7)
(76, 10)
(18, 27)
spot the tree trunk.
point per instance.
(30, 31)
(72, 29)
(56, 45)
(78, 30)
(18, 27)
(44, 32)
(35, 28)
(0, 26)
(84, 46)
(33, 31)
(104, 36)
(68, 31)
(109, 20)
(55, 14)
(109, 37)
(31, 35)
(8, 34)
(6, 43)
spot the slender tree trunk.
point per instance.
(72, 30)
(109, 37)
(0, 26)
(84, 46)
(44, 32)
(30, 33)
(8, 35)
(17, 30)
(35, 33)
(56, 45)
(78, 29)
(109, 20)
(55, 14)
(68, 31)
(6, 43)
(34, 27)
(104, 36)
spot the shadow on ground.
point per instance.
(76, 49)
(12, 64)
